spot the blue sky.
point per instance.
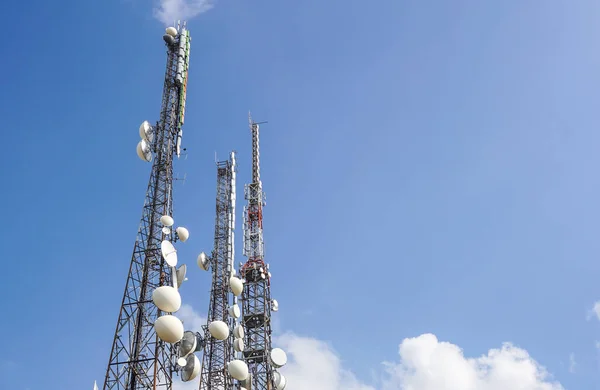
(430, 167)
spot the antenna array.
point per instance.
(257, 304)
(218, 350)
(138, 359)
(150, 343)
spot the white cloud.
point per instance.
(424, 363)
(594, 311)
(168, 11)
(190, 318)
(572, 363)
(314, 365)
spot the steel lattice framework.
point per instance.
(217, 353)
(138, 358)
(256, 295)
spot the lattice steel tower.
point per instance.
(257, 304)
(138, 358)
(218, 353)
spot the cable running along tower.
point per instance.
(138, 358)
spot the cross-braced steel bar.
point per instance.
(139, 359)
(217, 353)
(256, 295)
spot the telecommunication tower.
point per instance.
(142, 354)
(218, 349)
(257, 304)
(150, 344)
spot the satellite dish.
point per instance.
(169, 39)
(238, 331)
(202, 261)
(218, 330)
(238, 370)
(146, 131)
(269, 274)
(278, 357)
(191, 369)
(169, 253)
(190, 343)
(279, 380)
(167, 220)
(143, 151)
(169, 328)
(172, 31)
(180, 275)
(236, 286)
(183, 233)
(234, 311)
(238, 345)
(275, 305)
(166, 230)
(167, 299)
(262, 276)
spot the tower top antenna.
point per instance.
(255, 150)
(251, 122)
(257, 304)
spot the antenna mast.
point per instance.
(139, 358)
(218, 350)
(257, 304)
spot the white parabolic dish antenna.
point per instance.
(278, 357)
(234, 311)
(188, 344)
(169, 328)
(146, 131)
(167, 299)
(143, 151)
(238, 345)
(172, 31)
(236, 285)
(191, 369)
(167, 220)
(183, 233)
(202, 261)
(218, 330)
(238, 331)
(279, 380)
(180, 274)
(169, 253)
(238, 370)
